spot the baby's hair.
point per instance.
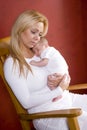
(43, 41)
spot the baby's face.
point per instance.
(38, 49)
(37, 52)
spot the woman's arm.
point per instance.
(20, 88)
(65, 81)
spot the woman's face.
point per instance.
(30, 37)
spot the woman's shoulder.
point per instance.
(8, 61)
(8, 64)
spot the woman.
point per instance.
(29, 83)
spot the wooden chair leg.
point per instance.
(25, 125)
(73, 123)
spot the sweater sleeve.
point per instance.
(20, 88)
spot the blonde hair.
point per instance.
(24, 21)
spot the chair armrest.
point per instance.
(78, 87)
(67, 113)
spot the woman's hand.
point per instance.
(64, 84)
(60, 80)
(53, 80)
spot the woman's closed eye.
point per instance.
(36, 32)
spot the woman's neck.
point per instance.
(28, 54)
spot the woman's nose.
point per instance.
(37, 38)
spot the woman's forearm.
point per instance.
(39, 98)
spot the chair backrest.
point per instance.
(4, 52)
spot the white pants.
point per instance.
(78, 101)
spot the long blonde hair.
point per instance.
(25, 20)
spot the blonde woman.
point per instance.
(29, 82)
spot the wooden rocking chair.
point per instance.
(26, 118)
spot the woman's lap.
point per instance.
(78, 101)
(52, 124)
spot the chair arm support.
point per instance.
(67, 113)
(77, 87)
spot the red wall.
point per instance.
(67, 29)
(67, 26)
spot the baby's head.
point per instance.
(40, 46)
